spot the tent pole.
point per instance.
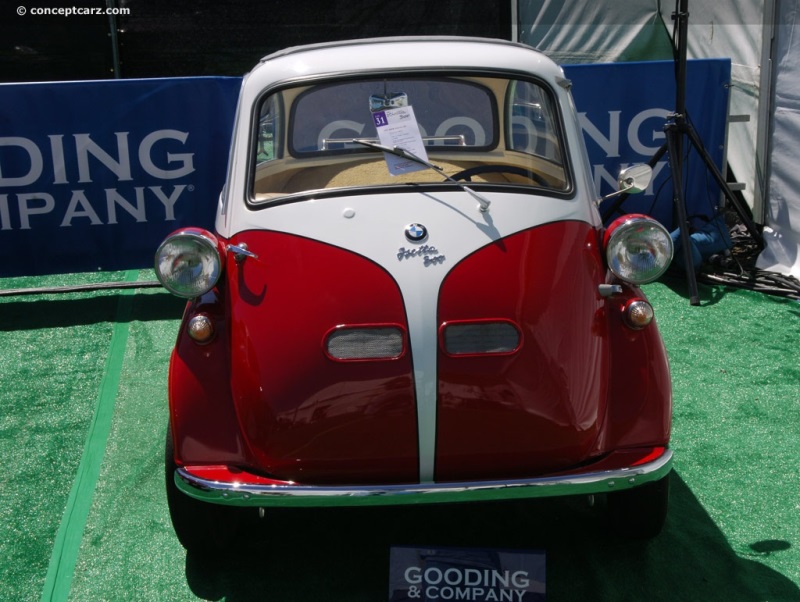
(114, 36)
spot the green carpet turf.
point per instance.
(83, 515)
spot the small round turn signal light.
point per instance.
(200, 328)
(638, 313)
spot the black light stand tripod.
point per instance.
(678, 126)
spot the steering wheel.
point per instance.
(466, 174)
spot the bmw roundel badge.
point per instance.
(416, 232)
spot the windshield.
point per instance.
(482, 130)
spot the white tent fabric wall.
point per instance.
(734, 29)
(575, 31)
(782, 236)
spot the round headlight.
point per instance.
(188, 263)
(638, 248)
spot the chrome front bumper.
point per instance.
(246, 494)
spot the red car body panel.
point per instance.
(305, 416)
(204, 424)
(264, 397)
(536, 410)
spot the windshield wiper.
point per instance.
(483, 202)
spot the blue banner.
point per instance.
(623, 109)
(93, 175)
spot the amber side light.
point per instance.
(200, 328)
(638, 313)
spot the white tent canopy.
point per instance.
(765, 86)
(782, 235)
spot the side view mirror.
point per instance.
(632, 180)
(635, 179)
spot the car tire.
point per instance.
(202, 528)
(639, 513)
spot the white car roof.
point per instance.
(398, 54)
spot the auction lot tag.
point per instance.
(473, 574)
(399, 127)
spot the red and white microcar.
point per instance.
(409, 296)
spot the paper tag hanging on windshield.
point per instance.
(398, 128)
